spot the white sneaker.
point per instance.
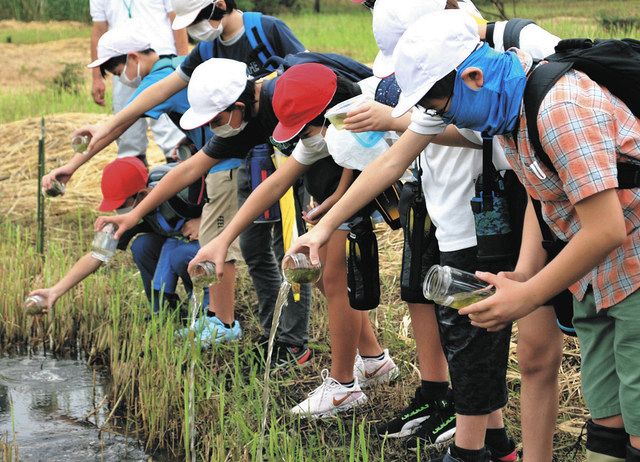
(330, 398)
(371, 372)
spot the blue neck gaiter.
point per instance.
(494, 108)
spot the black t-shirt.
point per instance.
(128, 235)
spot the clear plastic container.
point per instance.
(35, 305)
(104, 244)
(368, 139)
(454, 288)
(203, 274)
(56, 189)
(80, 143)
(338, 113)
(298, 269)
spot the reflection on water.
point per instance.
(52, 409)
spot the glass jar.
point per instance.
(454, 288)
(104, 243)
(57, 189)
(203, 274)
(34, 305)
(338, 113)
(80, 143)
(298, 269)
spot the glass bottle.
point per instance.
(80, 143)
(298, 269)
(34, 305)
(57, 189)
(104, 243)
(203, 274)
(454, 288)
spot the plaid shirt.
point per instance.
(585, 131)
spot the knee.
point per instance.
(139, 249)
(334, 282)
(179, 259)
(539, 358)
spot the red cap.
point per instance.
(302, 93)
(121, 179)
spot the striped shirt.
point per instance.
(585, 131)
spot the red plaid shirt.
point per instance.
(585, 131)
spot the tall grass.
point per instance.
(45, 10)
(49, 32)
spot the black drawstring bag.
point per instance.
(363, 277)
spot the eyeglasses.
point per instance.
(439, 112)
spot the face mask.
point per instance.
(133, 83)
(315, 143)
(203, 31)
(226, 130)
(494, 108)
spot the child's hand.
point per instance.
(510, 302)
(49, 295)
(310, 243)
(123, 222)
(191, 229)
(369, 117)
(216, 252)
(62, 174)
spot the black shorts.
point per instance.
(477, 359)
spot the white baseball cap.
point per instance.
(118, 42)
(431, 47)
(214, 86)
(391, 19)
(187, 10)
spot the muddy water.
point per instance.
(52, 410)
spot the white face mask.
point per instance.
(315, 143)
(203, 31)
(133, 83)
(226, 130)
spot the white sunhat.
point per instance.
(214, 86)
(391, 18)
(430, 49)
(120, 41)
(187, 10)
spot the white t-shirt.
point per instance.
(307, 157)
(449, 174)
(149, 15)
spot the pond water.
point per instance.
(52, 410)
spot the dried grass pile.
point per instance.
(19, 164)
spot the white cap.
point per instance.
(214, 86)
(431, 47)
(391, 19)
(118, 42)
(187, 10)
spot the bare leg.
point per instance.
(368, 344)
(431, 360)
(222, 295)
(539, 357)
(470, 431)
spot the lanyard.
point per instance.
(128, 6)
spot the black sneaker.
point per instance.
(439, 428)
(407, 422)
(289, 355)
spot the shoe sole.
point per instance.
(407, 429)
(441, 440)
(387, 377)
(336, 410)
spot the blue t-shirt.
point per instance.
(176, 105)
(278, 34)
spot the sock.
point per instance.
(633, 454)
(376, 358)
(348, 384)
(433, 391)
(211, 314)
(469, 455)
(499, 442)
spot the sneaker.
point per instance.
(288, 355)
(439, 428)
(448, 457)
(408, 421)
(511, 455)
(330, 398)
(210, 329)
(371, 371)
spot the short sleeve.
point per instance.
(97, 11)
(168, 7)
(581, 143)
(425, 124)
(193, 60)
(235, 146)
(281, 38)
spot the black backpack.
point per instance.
(614, 64)
(511, 36)
(341, 65)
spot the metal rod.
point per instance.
(40, 207)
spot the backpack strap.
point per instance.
(257, 38)
(491, 28)
(541, 80)
(511, 37)
(488, 172)
(206, 50)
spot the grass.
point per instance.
(45, 32)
